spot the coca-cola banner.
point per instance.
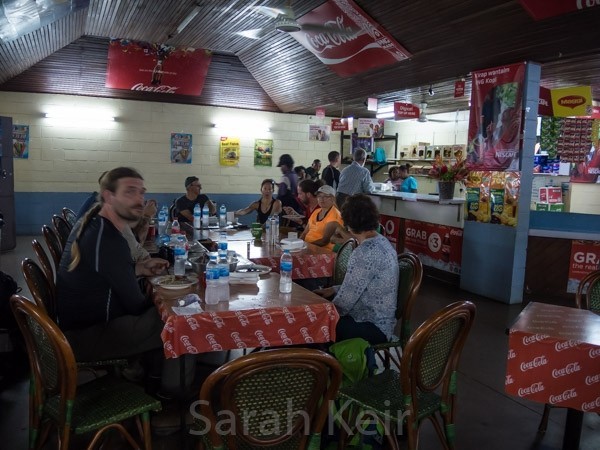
(436, 245)
(542, 9)
(141, 66)
(585, 258)
(495, 118)
(554, 356)
(366, 45)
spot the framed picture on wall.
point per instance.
(181, 148)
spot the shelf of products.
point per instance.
(374, 167)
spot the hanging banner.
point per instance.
(436, 245)
(495, 118)
(142, 66)
(263, 152)
(344, 124)
(572, 101)
(459, 88)
(405, 111)
(372, 104)
(320, 113)
(542, 9)
(362, 45)
(585, 258)
(181, 148)
(21, 141)
(229, 151)
(370, 128)
(545, 102)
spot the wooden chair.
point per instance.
(409, 282)
(42, 289)
(69, 215)
(53, 244)
(341, 261)
(62, 228)
(43, 259)
(57, 401)
(252, 387)
(425, 388)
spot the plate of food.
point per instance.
(293, 216)
(255, 268)
(175, 282)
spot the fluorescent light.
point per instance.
(80, 115)
(385, 115)
(243, 128)
(385, 109)
(185, 22)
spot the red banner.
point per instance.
(545, 103)
(141, 66)
(459, 88)
(405, 111)
(366, 46)
(585, 256)
(495, 119)
(391, 230)
(341, 124)
(436, 245)
(542, 9)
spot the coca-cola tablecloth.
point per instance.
(554, 357)
(305, 265)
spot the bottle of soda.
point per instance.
(211, 294)
(223, 275)
(285, 272)
(197, 216)
(205, 214)
(222, 216)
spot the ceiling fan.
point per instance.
(423, 115)
(284, 21)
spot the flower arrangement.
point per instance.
(449, 172)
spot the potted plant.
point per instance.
(448, 174)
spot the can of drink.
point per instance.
(151, 233)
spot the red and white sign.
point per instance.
(366, 45)
(341, 124)
(436, 245)
(585, 258)
(141, 66)
(320, 113)
(405, 111)
(459, 88)
(549, 194)
(495, 118)
(542, 9)
(391, 230)
(545, 103)
(372, 104)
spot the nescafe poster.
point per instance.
(495, 118)
(438, 246)
(142, 66)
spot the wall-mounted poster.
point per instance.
(181, 148)
(229, 151)
(21, 141)
(585, 258)
(366, 143)
(263, 152)
(370, 128)
(319, 132)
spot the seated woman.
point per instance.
(366, 300)
(409, 183)
(394, 178)
(265, 206)
(317, 230)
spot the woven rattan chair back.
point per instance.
(429, 363)
(588, 292)
(62, 228)
(341, 261)
(53, 244)
(296, 384)
(409, 283)
(43, 259)
(42, 290)
(69, 215)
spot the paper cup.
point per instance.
(230, 216)
(292, 235)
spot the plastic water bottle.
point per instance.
(222, 216)
(275, 229)
(211, 294)
(285, 272)
(268, 238)
(205, 214)
(162, 221)
(179, 254)
(197, 216)
(223, 276)
(175, 227)
(222, 241)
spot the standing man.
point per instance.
(287, 188)
(355, 179)
(331, 174)
(312, 173)
(185, 204)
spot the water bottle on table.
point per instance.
(268, 238)
(205, 214)
(162, 221)
(179, 254)
(211, 294)
(197, 216)
(175, 227)
(223, 276)
(222, 216)
(285, 272)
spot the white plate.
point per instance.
(169, 282)
(255, 268)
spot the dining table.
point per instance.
(554, 358)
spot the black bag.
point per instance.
(8, 287)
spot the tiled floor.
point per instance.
(486, 416)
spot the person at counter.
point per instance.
(185, 204)
(366, 300)
(265, 206)
(317, 230)
(331, 174)
(355, 179)
(409, 183)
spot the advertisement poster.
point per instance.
(229, 151)
(585, 258)
(370, 128)
(142, 66)
(366, 143)
(495, 118)
(391, 230)
(263, 152)
(437, 246)
(181, 148)
(588, 169)
(343, 124)
(362, 45)
(319, 132)
(21, 141)
(571, 101)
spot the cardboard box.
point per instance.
(550, 194)
(551, 207)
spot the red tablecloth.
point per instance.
(554, 357)
(305, 265)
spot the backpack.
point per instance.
(8, 287)
(379, 157)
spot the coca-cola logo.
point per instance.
(321, 42)
(284, 337)
(237, 340)
(310, 314)
(566, 395)
(560, 346)
(169, 327)
(571, 101)
(242, 318)
(594, 353)
(567, 370)
(185, 340)
(509, 380)
(168, 348)
(511, 354)
(261, 339)
(163, 89)
(192, 323)
(306, 336)
(289, 316)
(538, 361)
(533, 389)
(527, 340)
(325, 332)
(266, 317)
(591, 406)
(592, 379)
(210, 338)
(218, 321)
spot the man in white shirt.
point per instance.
(355, 179)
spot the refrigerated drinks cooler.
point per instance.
(7, 186)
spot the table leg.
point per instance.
(573, 426)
